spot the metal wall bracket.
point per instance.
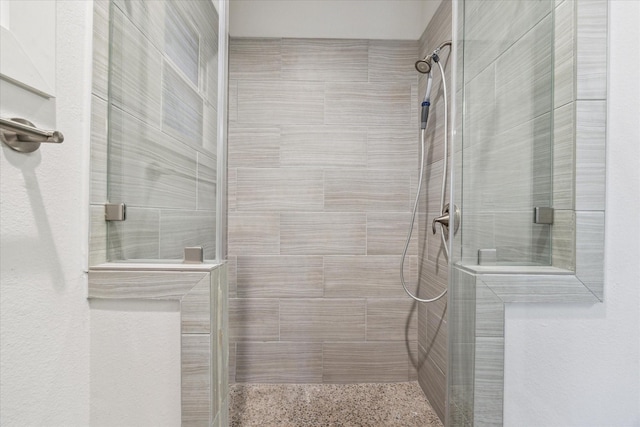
(193, 255)
(542, 215)
(115, 212)
(22, 135)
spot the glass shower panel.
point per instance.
(506, 158)
(162, 155)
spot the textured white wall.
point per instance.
(359, 19)
(44, 314)
(579, 365)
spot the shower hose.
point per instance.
(442, 194)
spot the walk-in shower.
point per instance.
(446, 218)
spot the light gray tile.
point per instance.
(393, 148)
(590, 155)
(98, 150)
(392, 60)
(364, 362)
(324, 60)
(181, 228)
(210, 129)
(232, 262)
(233, 102)
(371, 276)
(434, 383)
(364, 190)
(368, 104)
(280, 276)
(279, 362)
(538, 288)
(489, 313)
(323, 233)
(387, 232)
(563, 234)
(100, 70)
(253, 319)
(182, 108)
(391, 320)
(489, 381)
(147, 167)
(255, 233)
(97, 236)
(148, 18)
(564, 56)
(436, 342)
(315, 320)
(563, 157)
(591, 40)
(182, 42)
(254, 59)
(207, 182)
(590, 251)
(195, 309)
(323, 146)
(136, 67)
(280, 102)
(232, 184)
(433, 280)
(196, 379)
(142, 285)
(251, 147)
(265, 189)
(136, 238)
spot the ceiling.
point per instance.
(356, 19)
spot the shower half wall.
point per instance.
(322, 167)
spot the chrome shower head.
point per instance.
(424, 65)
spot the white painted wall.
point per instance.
(579, 365)
(44, 314)
(358, 19)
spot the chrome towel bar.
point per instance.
(21, 135)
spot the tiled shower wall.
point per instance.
(322, 163)
(432, 260)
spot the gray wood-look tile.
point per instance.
(590, 155)
(387, 232)
(149, 168)
(232, 183)
(255, 59)
(254, 233)
(564, 55)
(434, 383)
(233, 102)
(141, 285)
(391, 319)
(432, 281)
(253, 319)
(196, 379)
(182, 228)
(489, 381)
(290, 189)
(392, 60)
(195, 309)
(371, 276)
(368, 104)
(315, 320)
(324, 60)
(99, 126)
(100, 70)
(136, 238)
(207, 177)
(364, 362)
(148, 18)
(182, 108)
(323, 146)
(489, 312)
(182, 42)
(232, 262)
(322, 233)
(136, 68)
(365, 190)
(209, 129)
(437, 340)
(279, 362)
(393, 148)
(590, 251)
(280, 102)
(254, 147)
(563, 235)
(97, 236)
(591, 40)
(564, 157)
(280, 276)
(538, 288)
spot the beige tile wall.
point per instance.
(322, 166)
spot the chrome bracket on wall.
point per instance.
(115, 212)
(542, 215)
(21, 135)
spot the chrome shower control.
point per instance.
(445, 219)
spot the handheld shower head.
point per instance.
(424, 65)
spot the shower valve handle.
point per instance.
(442, 219)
